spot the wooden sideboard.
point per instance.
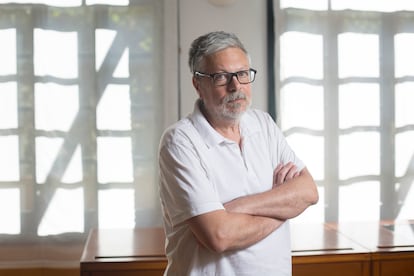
(366, 249)
(124, 252)
(319, 250)
(391, 245)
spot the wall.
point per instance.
(246, 18)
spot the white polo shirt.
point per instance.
(200, 170)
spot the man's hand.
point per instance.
(283, 173)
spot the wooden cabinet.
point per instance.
(345, 249)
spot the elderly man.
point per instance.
(229, 181)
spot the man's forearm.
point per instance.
(222, 231)
(282, 202)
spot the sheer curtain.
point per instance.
(81, 107)
(344, 88)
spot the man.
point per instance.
(228, 180)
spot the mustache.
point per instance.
(234, 96)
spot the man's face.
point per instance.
(230, 101)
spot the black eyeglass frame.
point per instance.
(229, 76)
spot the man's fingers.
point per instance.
(283, 173)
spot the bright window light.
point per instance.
(359, 202)
(9, 158)
(310, 152)
(406, 212)
(114, 159)
(122, 69)
(55, 53)
(64, 213)
(104, 39)
(56, 3)
(404, 153)
(358, 55)
(9, 210)
(373, 5)
(404, 99)
(116, 208)
(56, 106)
(8, 105)
(296, 60)
(404, 55)
(46, 153)
(359, 154)
(359, 105)
(108, 2)
(302, 106)
(114, 108)
(304, 4)
(74, 172)
(8, 52)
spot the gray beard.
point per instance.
(226, 109)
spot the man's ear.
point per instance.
(196, 85)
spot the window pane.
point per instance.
(404, 99)
(73, 172)
(311, 150)
(9, 211)
(122, 69)
(55, 53)
(108, 2)
(359, 105)
(404, 55)
(359, 154)
(9, 158)
(305, 4)
(116, 208)
(302, 106)
(404, 153)
(8, 52)
(64, 213)
(62, 3)
(8, 105)
(114, 160)
(406, 212)
(114, 108)
(373, 5)
(104, 39)
(46, 152)
(358, 55)
(296, 60)
(359, 202)
(56, 106)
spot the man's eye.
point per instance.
(243, 74)
(220, 77)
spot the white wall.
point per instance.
(245, 18)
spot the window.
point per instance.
(344, 83)
(80, 112)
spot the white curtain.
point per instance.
(81, 107)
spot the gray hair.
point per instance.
(211, 43)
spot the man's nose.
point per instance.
(234, 84)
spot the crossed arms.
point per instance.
(249, 219)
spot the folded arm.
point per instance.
(221, 230)
(291, 194)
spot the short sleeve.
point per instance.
(185, 188)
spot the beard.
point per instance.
(228, 109)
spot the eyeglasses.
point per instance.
(221, 79)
